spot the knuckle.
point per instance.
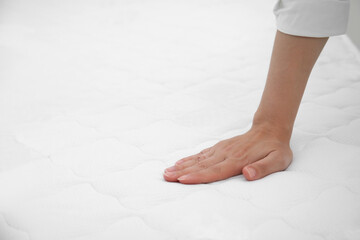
(202, 165)
(199, 158)
(179, 167)
(207, 153)
(206, 150)
(179, 164)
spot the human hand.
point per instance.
(255, 154)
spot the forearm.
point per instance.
(291, 63)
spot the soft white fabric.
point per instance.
(98, 97)
(312, 18)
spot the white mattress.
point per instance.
(97, 98)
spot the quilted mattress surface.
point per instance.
(97, 98)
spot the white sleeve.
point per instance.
(312, 18)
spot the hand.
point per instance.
(255, 154)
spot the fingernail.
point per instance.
(185, 177)
(170, 169)
(251, 172)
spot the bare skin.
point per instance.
(265, 148)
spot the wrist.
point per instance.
(274, 127)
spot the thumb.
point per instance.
(273, 162)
